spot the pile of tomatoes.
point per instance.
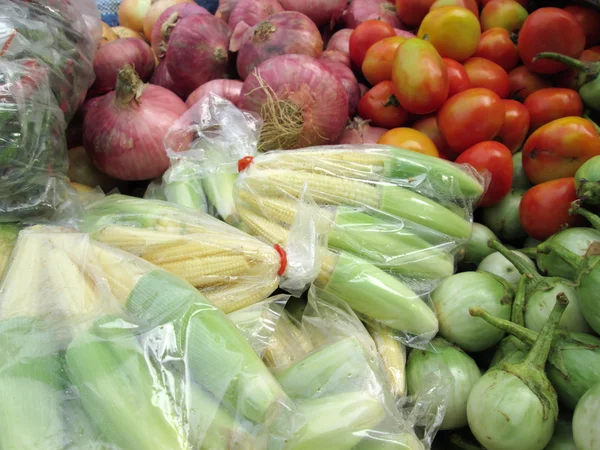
(468, 88)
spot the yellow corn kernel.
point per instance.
(187, 249)
(240, 295)
(135, 240)
(209, 271)
(327, 268)
(275, 209)
(259, 226)
(288, 344)
(393, 356)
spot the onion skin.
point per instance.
(174, 14)
(161, 77)
(283, 33)
(108, 35)
(253, 11)
(157, 8)
(452, 300)
(110, 58)
(334, 55)
(404, 33)
(321, 12)
(307, 85)
(228, 89)
(123, 131)
(124, 33)
(131, 13)
(346, 76)
(360, 10)
(198, 52)
(340, 41)
(359, 131)
(225, 8)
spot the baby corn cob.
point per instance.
(288, 344)
(393, 356)
(240, 295)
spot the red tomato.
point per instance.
(471, 5)
(516, 125)
(420, 77)
(506, 14)
(523, 83)
(559, 148)
(458, 79)
(380, 106)
(412, 12)
(470, 117)
(550, 104)
(365, 35)
(544, 209)
(521, 2)
(377, 65)
(550, 30)
(496, 158)
(487, 74)
(429, 127)
(497, 46)
(589, 19)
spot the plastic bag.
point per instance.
(390, 223)
(204, 147)
(230, 267)
(45, 69)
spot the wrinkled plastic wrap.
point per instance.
(103, 350)
(230, 267)
(46, 52)
(204, 147)
(389, 223)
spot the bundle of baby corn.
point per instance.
(393, 220)
(230, 267)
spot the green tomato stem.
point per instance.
(515, 260)
(567, 60)
(519, 303)
(594, 219)
(563, 253)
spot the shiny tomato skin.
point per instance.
(487, 74)
(559, 148)
(471, 5)
(365, 35)
(523, 83)
(589, 19)
(377, 65)
(496, 158)
(569, 78)
(429, 127)
(497, 46)
(420, 77)
(409, 139)
(550, 104)
(524, 3)
(506, 14)
(470, 117)
(380, 106)
(454, 31)
(458, 79)
(516, 125)
(544, 209)
(550, 30)
(412, 12)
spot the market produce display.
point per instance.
(291, 224)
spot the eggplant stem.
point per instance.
(567, 60)
(518, 306)
(530, 252)
(538, 355)
(592, 218)
(514, 259)
(563, 253)
(523, 334)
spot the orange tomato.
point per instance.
(377, 65)
(409, 139)
(429, 127)
(506, 14)
(471, 5)
(487, 74)
(454, 31)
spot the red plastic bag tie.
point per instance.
(284, 261)
(244, 163)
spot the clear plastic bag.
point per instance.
(389, 223)
(46, 54)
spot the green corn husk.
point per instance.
(219, 191)
(108, 368)
(80, 431)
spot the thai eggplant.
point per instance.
(586, 432)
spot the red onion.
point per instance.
(197, 51)
(123, 131)
(334, 55)
(253, 12)
(359, 131)
(301, 102)
(227, 89)
(346, 76)
(340, 41)
(225, 8)
(404, 33)
(321, 12)
(360, 10)
(162, 78)
(283, 33)
(113, 56)
(166, 23)
(363, 89)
